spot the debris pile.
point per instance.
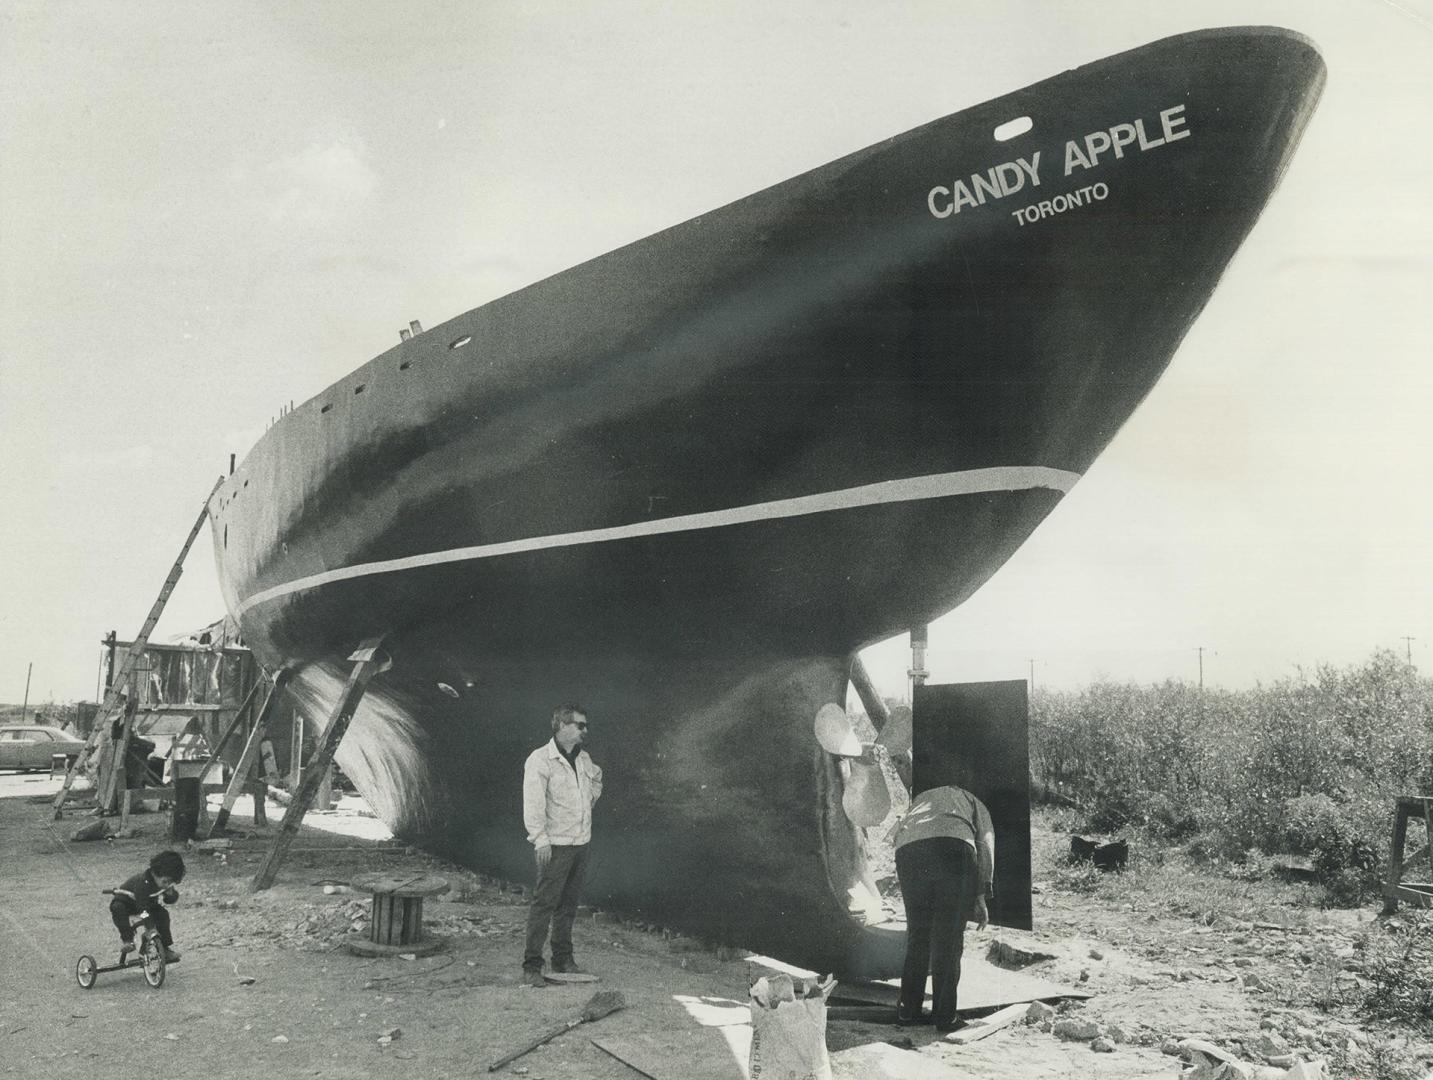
(1277, 1052)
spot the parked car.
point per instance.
(31, 746)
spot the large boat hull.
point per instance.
(683, 483)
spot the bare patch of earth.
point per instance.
(267, 988)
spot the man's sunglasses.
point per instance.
(582, 724)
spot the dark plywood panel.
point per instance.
(977, 735)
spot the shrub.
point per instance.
(1344, 840)
(1399, 970)
(1308, 764)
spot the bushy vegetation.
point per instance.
(1400, 972)
(1306, 766)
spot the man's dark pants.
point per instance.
(555, 902)
(938, 883)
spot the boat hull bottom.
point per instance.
(720, 815)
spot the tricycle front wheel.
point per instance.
(152, 956)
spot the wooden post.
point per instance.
(240, 781)
(260, 791)
(1395, 859)
(119, 769)
(26, 706)
(325, 790)
(188, 798)
(369, 661)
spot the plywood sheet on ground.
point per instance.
(714, 1053)
(982, 986)
(882, 1061)
(702, 1055)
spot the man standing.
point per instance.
(559, 785)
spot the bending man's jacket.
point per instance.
(952, 811)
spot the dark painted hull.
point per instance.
(683, 482)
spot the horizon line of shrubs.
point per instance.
(1307, 766)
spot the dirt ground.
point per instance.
(267, 988)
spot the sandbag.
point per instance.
(788, 1029)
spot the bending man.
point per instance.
(945, 860)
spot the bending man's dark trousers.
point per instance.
(938, 883)
(122, 907)
(555, 902)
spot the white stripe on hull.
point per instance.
(912, 489)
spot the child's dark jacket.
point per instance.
(142, 892)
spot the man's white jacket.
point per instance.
(556, 798)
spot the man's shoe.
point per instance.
(533, 978)
(947, 1026)
(568, 967)
(171, 954)
(905, 1019)
(125, 948)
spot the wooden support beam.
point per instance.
(369, 661)
(867, 692)
(238, 719)
(239, 781)
(131, 658)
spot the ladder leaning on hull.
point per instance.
(112, 695)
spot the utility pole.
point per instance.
(25, 707)
(1200, 650)
(1032, 678)
(1408, 648)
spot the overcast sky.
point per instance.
(207, 211)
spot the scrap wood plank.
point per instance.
(988, 1025)
(982, 986)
